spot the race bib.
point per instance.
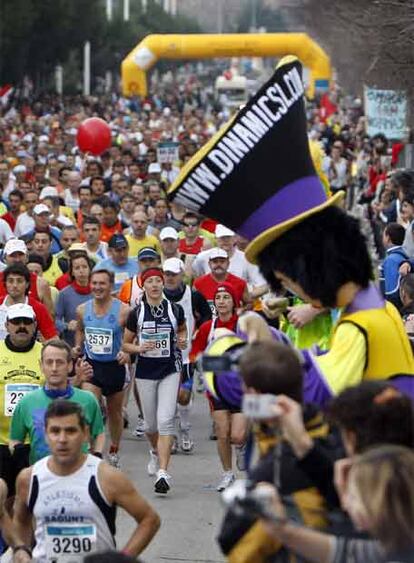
(99, 340)
(121, 277)
(13, 392)
(162, 344)
(69, 543)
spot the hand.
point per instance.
(122, 358)
(301, 315)
(255, 327)
(83, 370)
(273, 307)
(21, 557)
(146, 346)
(293, 428)
(404, 269)
(73, 325)
(181, 342)
(342, 468)
(76, 352)
(275, 506)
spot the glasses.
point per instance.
(190, 224)
(21, 320)
(337, 147)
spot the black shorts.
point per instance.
(11, 466)
(108, 376)
(218, 405)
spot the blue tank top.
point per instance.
(103, 335)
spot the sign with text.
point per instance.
(386, 112)
(167, 152)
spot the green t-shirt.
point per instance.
(29, 420)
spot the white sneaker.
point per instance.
(241, 457)
(187, 444)
(153, 464)
(163, 482)
(227, 479)
(140, 428)
(113, 459)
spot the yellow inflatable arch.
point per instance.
(209, 46)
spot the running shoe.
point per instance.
(187, 444)
(153, 464)
(163, 482)
(174, 446)
(241, 457)
(114, 460)
(227, 479)
(140, 428)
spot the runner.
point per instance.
(196, 311)
(219, 264)
(99, 335)
(229, 424)
(118, 262)
(20, 374)
(68, 500)
(161, 331)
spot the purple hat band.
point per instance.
(289, 202)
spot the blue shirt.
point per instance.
(389, 273)
(56, 247)
(122, 273)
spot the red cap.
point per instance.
(228, 288)
(151, 272)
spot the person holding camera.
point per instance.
(229, 423)
(269, 369)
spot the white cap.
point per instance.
(19, 311)
(14, 245)
(154, 168)
(40, 208)
(20, 168)
(168, 232)
(48, 191)
(217, 253)
(174, 265)
(222, 231)
(43, 139)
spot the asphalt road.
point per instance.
(191, 512)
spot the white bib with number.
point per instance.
(121, 277)
(13, 392)
(162, 344)
(99, 340)
(69, 543)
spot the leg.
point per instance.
(115, 421)
(147, 389)
(167, 404)
(97, 391)
(238, 429)
(222, 424)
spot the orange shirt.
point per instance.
(107, 232)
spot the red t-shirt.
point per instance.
(107, 232)
(194, 248)
(8, 217)
(207, 286)
(45, 322)
(200, 341)
(63, 281)
(32, 290)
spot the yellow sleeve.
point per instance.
(344, 364)
(157, 246)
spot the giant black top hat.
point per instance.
(256, 174)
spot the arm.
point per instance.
(182, 336)
(18, 430)
(45, 323)
(22, 517)
(60, 322)
(44, 293)
(120, 491)
(79, 332)
(246, 298)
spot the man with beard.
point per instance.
(219, 264)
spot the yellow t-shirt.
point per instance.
(136, 245)
(19, 374)
(53, 272)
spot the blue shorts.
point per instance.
(187, 377)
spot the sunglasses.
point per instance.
(21, 320)
(190, 224)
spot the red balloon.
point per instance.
(94, 136)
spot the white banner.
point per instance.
(386, 112)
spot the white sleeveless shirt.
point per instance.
(186, 304)
(73, 517)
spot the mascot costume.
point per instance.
(256, 176)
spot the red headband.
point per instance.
(151, 272)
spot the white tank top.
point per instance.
(136, 293)
(186, 304)
(73, 518)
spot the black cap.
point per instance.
(118, 241)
